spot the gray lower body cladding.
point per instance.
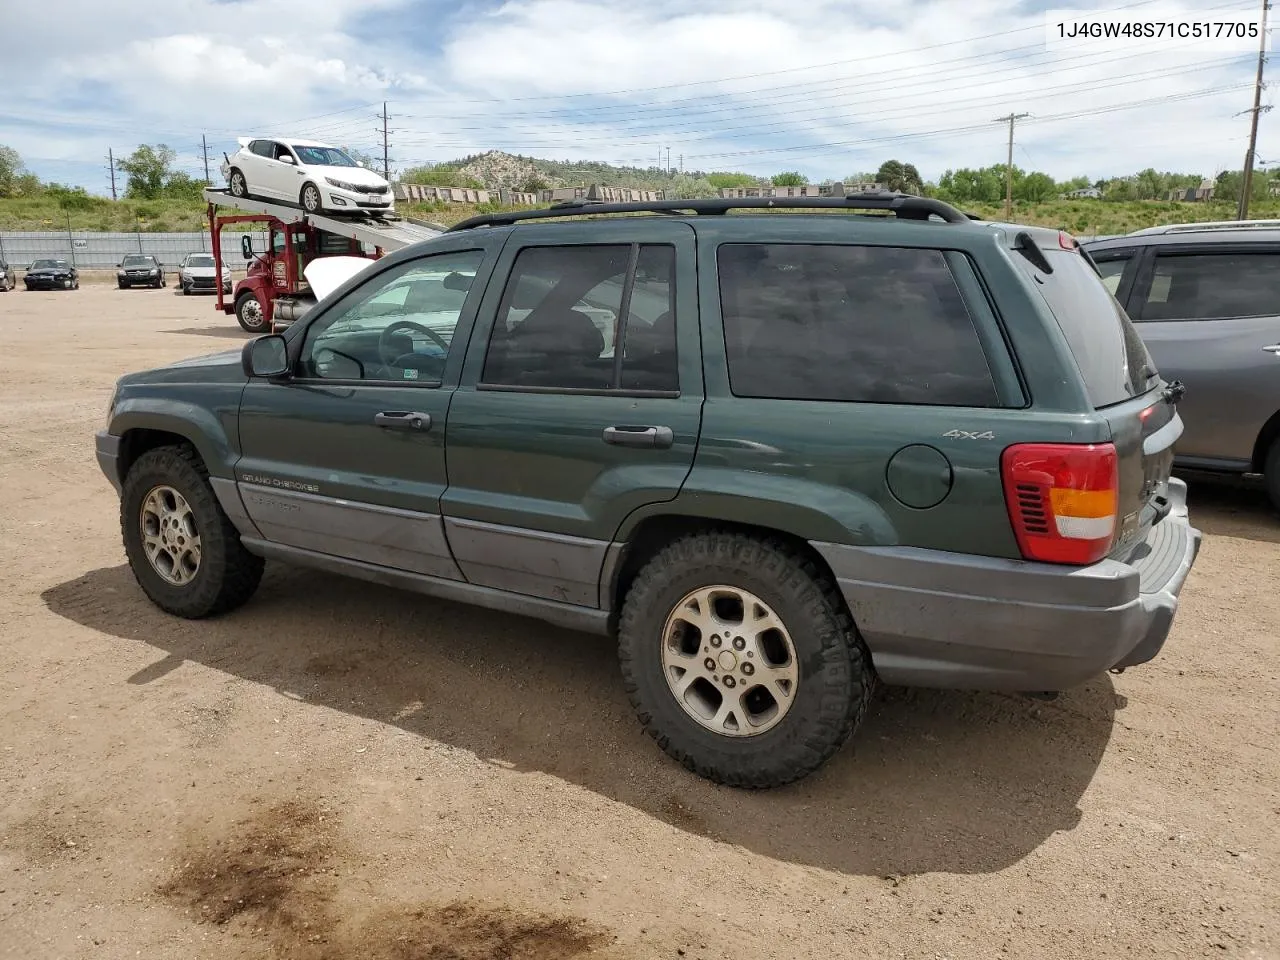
(950, 620)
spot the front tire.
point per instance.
(310, 197)
(249, 313)
(184, 552)
(741, 660)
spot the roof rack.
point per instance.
(906, 206)
(1206, 225)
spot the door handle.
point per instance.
(659, 438)
(1274, 348)
(402, 420)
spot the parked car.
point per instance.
(1205, 298)
(198, 272)
(778, 457)
(316, 176)
(51, 274)
(8, 279)
(140, 270)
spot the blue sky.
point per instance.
(829, 87)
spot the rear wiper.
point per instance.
(1026, 246)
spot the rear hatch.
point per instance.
(1119, 375)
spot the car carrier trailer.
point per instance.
(275, 292)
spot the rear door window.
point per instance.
(1213, 286)
(1112, 358)
(849, 323)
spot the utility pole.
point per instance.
(668, 161)
(1011, 119)
(386, 147)
(204, 149)
(111, 168)
(1246, 182)
(682, 163)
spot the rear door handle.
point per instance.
(1274, 348)
(402, 420)
(628, 436)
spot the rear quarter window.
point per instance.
(1112, 358)
(849, 323)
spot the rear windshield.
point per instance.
(1112, 358)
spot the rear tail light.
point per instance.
(1063, 499)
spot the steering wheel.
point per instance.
(384, 340)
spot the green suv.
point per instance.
(778, 457)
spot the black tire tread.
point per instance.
(825, 616)
(235, 571)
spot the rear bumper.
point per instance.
(940, 619)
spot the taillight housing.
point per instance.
(1063, 499)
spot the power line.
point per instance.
(1246, 183)
(943, 107)
(386, 147)
(204, 152)
(1011, 119)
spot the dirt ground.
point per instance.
(340, 771)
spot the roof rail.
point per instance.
(906, 206)
(1205, 225)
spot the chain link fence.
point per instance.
(103, 251)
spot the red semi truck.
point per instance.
(275, 292)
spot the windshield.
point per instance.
(137, 260)
(48, 265)
(1111, 356)
(323, 156)
(200, 261)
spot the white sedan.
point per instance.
(316, 176)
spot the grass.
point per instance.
(1081, 217)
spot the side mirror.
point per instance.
(265, 356)
(286, 158)
(246, 246)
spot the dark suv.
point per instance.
(1205, 298)
(140, 270)
(777, 456)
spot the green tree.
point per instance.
(685, 187)
(148, 170)
(722, 179)
(1075, 183)
(903, 177)
(1036, 187)
(535, 184)
(791, 178)
(15, 181)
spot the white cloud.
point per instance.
(516, 75)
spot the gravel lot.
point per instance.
(342, 771)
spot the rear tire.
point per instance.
(1271, 473)
(239, 186)
(820, 649)
(250, 314)
(224, 575)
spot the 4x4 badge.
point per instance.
(969, 435)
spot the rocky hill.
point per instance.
(497, 169)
